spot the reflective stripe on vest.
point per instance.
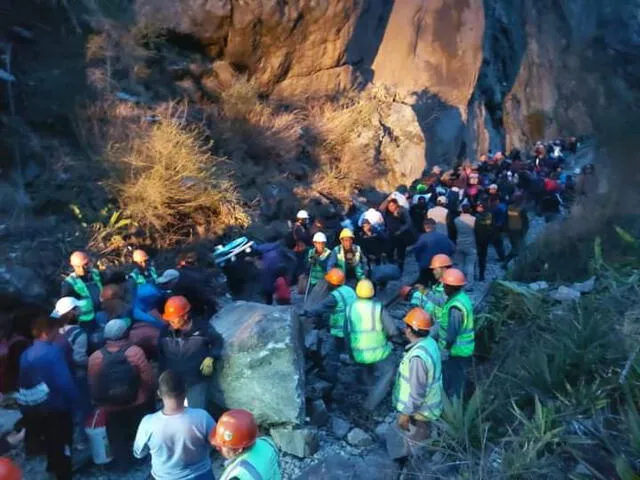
(260, 462)
(345, 296)
(465, 342)
(140, 278)
(318, 270)
(356, 264)
(87, 312)
(367, 339)
(431, 408)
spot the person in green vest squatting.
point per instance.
(143, 272)
(249, 457)
(334, 307)
(430, 300)
(85, 285)
(457, 336)
(368, 330)
(417, 393)
(318, 259)
(348, 257)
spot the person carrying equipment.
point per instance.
(348, 257)
(249, 457)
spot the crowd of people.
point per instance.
(109, 336)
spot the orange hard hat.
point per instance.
(418, 319)
(235, 429)
(454, 278)
(335, 277)
(79, 259)
(140, 256)
(9, 470)
(405, 291)
(175, 310)
(440, 260)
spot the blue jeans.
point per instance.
(197, 395)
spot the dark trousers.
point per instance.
(122, 426)
(55, 430)
(515, 239)
(453, 375)
(398, 251)
(426, 277)
(483, 248)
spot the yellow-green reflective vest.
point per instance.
(367, 338)
(141, 279)
(356, 261)
(431, 301)
(87, 312)
(260, 462)
(465, 342)
(345, 296)
(317, 270)
(427, 350)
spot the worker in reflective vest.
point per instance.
(348, 257)
(85, 285)
(457, 336)
(249, 457)
(334, 307)
(143, 272)
(318, 258)
(368, 330)
(417, 394)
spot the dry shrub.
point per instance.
(168, 182)
(344, 144)
(248, 127)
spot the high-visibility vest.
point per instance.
(427, 350)
(345, 296)
(430, 301)
(140, 278)
(260, 462)
(465, 342)
(317, 271)
(356, 261)
(367, 339)
(87, 312)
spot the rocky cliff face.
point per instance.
(478, 74)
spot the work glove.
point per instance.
(403, 421)
(206, 367)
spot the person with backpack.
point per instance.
(188, 347)
(517, 225)
(176, 437)
(121, 382)
(47, 397)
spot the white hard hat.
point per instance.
(64, 305)
(320, 237)
(493, 186)
(577, 171)
(303, 214)
(442, 200)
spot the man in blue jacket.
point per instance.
(47, 396)
(431, 243)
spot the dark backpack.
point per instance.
(118, 381)
(514, 219)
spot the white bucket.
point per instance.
(96, 429)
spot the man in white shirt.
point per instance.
(177, 436)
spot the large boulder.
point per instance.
(262, 364)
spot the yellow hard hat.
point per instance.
(365, 289)
(346, 233)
